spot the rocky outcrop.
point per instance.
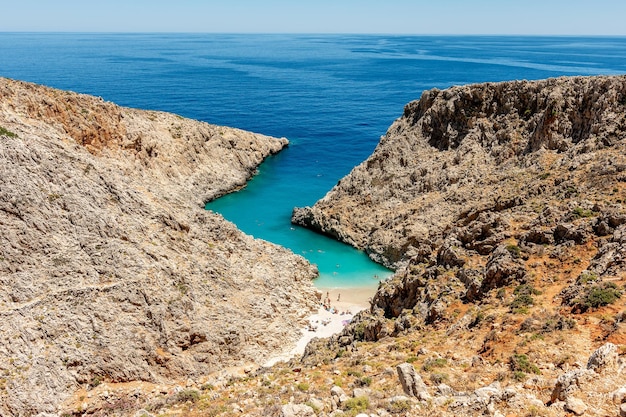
(475, 186)
(110, 268)
(501, 207)
(412, 383)
(465, 152)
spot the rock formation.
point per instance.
(474, 185)
(110, 268)
(501, 206)
(460, 157)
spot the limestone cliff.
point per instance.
(457, 153)
(110, 268)
(502, 208)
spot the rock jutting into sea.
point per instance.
(501, 206)
(110, 268)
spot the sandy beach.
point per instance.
(346, 302)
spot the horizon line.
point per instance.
(309, 33)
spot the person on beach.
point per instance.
(338, 297)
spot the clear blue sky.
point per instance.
(538, 17)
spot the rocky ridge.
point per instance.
(501, 207)
(111, 271)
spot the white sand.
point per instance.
(325, 323)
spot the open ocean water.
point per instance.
(332, 96)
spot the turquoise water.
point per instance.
(332, 96)
(340, 265)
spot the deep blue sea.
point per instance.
(332, 96)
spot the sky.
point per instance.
(497, 17)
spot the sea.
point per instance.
(332, 96)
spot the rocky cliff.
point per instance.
(502, 208)
(110, 268)
(473, 150)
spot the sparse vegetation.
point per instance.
(432, 363)
(581, 212)
(521, 363)
(95, 381)
(587, 277)
(514, 250)
(356, 405)
(602, 295)
(399, 406)
(544, 176)
(7, 133)
(523, 298)
(439, 378)
(188, 395)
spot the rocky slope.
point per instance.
(111, 271)
(502, 209)
(473, 150)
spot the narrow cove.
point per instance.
(263, 209)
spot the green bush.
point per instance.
(581, 212)
(4, 132)
(523, 298)
(521, 363)
(519, 376)
(398, 407)
(439, 378)
(602, 295)
(365, 381)
(188, 395)
(430, 364)
(587, 277)
(514, 250)
(356, 405)
(352, 372)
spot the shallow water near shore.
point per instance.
(332, 96)
(340, 265)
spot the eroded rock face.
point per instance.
(475, 149)
(110, 268)
(506, 196)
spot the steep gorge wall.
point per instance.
(110, 268)
(490, 187)
(468, 149)
(502, 208)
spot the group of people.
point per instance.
(328, 307)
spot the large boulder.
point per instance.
(412, 382)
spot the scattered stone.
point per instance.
(502, 269)
(575, 405)
(619, 396)
(443, 389)
(490, 391)
(605, 357)
(316, 403)
(569, 383)
(565, 232)
(412, 383)
(338, 395)
(361, 392)
(297, 410)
